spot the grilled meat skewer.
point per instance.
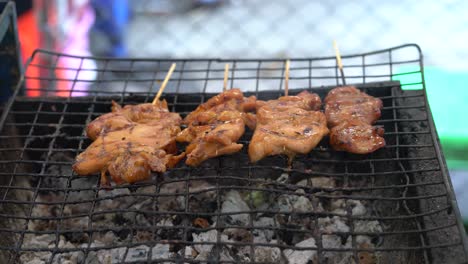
(350, 115)
(214, 128)
(130, 142)
(288, 125)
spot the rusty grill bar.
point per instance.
(399, 200)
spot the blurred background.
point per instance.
(265, 29)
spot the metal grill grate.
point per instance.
(393, 206)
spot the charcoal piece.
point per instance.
(233, 204)
(301, 256)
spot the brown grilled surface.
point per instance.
(401, 186)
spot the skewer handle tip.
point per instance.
(338, 61)
(226, 73)
(163, 85)
(286, 78)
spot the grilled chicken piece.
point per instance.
(346, 103)
(350, 115)
(123, 117)
(304, 100)
(208, 141)
(129, 144)
(356, 136)
(230, 100)
(215, 126)
(288, 125)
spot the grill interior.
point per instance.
(393, 206)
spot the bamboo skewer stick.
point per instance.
(226, 73)
(286, 78)
(338, 61)
(163, 85)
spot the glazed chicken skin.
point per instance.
(209, 141)
(129, 144)
(288, 125)
(230, 100)
(123, 117)
(349, 103)
(350, 114)
(357, 137)
(214, 128)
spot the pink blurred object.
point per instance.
(81, 70)
(66, 25)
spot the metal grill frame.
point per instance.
(100, 99)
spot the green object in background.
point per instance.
(447, 93)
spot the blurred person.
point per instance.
(112, 17)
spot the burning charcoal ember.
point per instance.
(305, 256)
(233, 203)
(264, 222)
(366, 257)
(201, 222)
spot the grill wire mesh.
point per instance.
(393, 206)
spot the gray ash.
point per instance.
(287, 213)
